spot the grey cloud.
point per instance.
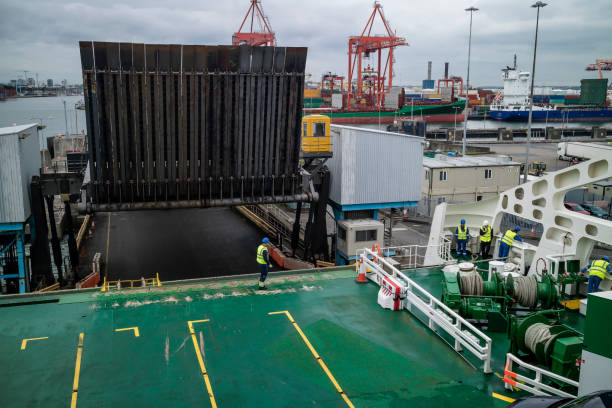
(42, 36)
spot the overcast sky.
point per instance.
(42, 36)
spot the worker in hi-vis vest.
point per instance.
(486, 233)
(508, 240)
(263, 261)
(462, 234)
(597, 273)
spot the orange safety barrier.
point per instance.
(376, 248)
(508, 376)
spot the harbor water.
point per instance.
(48, 111)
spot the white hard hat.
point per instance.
(485, 222)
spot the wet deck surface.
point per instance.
(379, 358)
(178, 244)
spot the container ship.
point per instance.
(513, 103)
(330, 98)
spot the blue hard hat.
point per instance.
(517, 228)
(605, 258)
(463, 221)
(265, 241)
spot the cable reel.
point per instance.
(528, 292)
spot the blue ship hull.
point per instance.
(602, 114)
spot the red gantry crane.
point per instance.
(264, 34)
(601, 65)
(370, 82)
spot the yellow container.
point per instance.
(316, 134)
(312, 93)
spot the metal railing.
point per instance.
(278, 220)
(131, 283)
(413, 256)
(437, 315)
(535, 385)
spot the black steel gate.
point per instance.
(175, 126)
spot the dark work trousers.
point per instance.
(485, 247)
(263, 272)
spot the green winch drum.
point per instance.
(546, 291)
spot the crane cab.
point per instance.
(316, 136)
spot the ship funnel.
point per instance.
(429, 70)
(446, 70)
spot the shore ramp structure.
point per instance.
(178, 126)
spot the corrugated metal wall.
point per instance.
(192, 122)
(371, 166)
(19, 161)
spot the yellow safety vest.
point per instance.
(260, 255)
(599, 268)
(486, 237)
(509, 237)
(462, 233)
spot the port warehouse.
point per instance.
(458, 179)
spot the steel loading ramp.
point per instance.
(176, 126)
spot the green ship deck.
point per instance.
(138, 349)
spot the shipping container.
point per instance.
(593, 91)
(312, 93)
(370, 166)
(429, 84)
(336, 101)
(541, 99)
(19, 161)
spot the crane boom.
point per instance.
(370, 82)
(256, 36)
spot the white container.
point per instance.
(336, 101)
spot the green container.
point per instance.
(593, 91)
(573, 102)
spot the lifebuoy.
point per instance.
(376, 248)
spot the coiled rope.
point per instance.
(472, 284)
(537, 333)
(526, 291)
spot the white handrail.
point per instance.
(437, 313)
(513, 379)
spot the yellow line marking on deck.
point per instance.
(201, 360)
(136, 331)
(24, 342)
(77, 372)
(502, 397)
(316, 356)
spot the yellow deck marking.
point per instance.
(77, 371)
(201, 360)
(136, 332)
(24, 342)
(316, 356)
(502, 397)
(573, 304)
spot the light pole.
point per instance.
(467, 85)
(536, 5)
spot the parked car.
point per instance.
(576, 208)
(599, 399)
(595, 210)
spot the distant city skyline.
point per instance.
(42, 36)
